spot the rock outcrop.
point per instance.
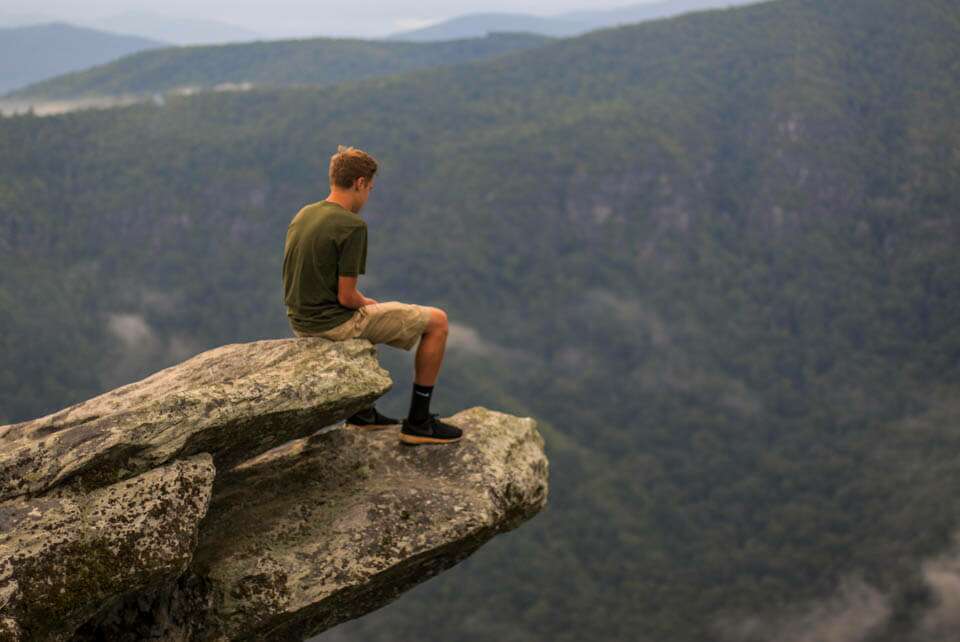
(221, 499)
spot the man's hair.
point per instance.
(350, 163)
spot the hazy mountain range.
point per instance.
(20, 19)
(714, 256)
(146, 24)
(32, 53)
(280, 63)
(176, 30)
(272, 63)
(564, 24)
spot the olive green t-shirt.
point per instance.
(324, 241)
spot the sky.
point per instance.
(291, 18)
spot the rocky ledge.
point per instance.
(224, 499)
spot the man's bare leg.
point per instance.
(421, 426)
(430, 351)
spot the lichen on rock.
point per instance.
(219, 499)
(64, 556)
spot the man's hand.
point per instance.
(348, 294)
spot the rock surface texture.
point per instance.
(220, 499)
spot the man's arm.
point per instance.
(350, 266)
(348, 294)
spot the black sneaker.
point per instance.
(370, 419)
(431, 431)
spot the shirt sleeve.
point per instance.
(353, 253)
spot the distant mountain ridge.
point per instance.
(30, 54)
(19, 19)
(313, 61)
(176, 30)
(570, 23)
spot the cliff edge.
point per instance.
(223, 499)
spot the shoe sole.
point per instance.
(415, 439)
(370, 427)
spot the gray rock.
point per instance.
(308, 522)
(330, 527)
(63, 557)
(233, 401)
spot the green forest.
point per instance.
(269, 63)
(715, 256)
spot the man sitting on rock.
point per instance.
(324, 254)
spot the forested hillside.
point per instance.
(714, 255)
(279, 63)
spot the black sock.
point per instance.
(420, 403)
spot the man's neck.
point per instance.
(342, 201)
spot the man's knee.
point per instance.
(438, 320)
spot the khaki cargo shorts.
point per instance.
(397, 324)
